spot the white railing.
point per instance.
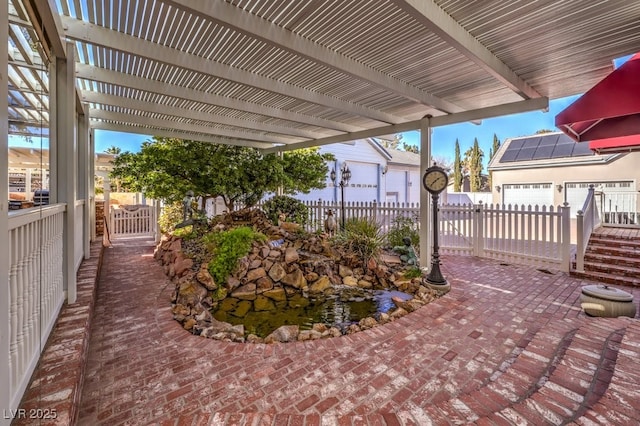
(587, 220)
(619, 207)
(531, 235)
(132, 221)
(35, 288)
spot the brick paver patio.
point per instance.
(508, 345)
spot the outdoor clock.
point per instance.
(435, 179)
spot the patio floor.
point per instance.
(508, 345)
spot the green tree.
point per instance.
(410, 148)
(113, 150)
(473, 161)
(457, 169)
(392, 143)
(166, 168)
(543, 131)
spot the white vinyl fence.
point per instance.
(533, 235)
(132, 221)
(587, 220)
(35, 288)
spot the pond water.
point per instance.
(343, 307)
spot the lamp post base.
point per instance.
(435, 280)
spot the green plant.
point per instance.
(170, 216)
(412, 272)
(227, 248)
(360, 236)
(401, 227)
(295, 210)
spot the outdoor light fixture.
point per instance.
(559, 187)
(345, 176)
(498, 188)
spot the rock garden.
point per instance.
(243, 278)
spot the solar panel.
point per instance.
(543, 147)
(526, 153)
(563, 150)
(509, 156)
(543, 151)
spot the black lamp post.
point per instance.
(345, 176)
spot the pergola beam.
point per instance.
(476, 114)
(92, 73)
(100, 36)
(431, 15)
(103, 125)
(191, 114)
(229, 15)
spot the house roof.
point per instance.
(545, 150)
(395, 156)
(280, 74)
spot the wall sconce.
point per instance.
(559, 187)
(497, 188)
(384, 170)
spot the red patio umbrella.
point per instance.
(609, 111)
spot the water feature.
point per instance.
(340, 308)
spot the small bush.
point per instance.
(362, 237)
(170, 216)
(295, 210)
(227, 248)
(401, 227)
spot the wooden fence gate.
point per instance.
(132, 221)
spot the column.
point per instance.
(92, 184)
(85, 174)
(426, 237)
(5, 392)
(64, 160)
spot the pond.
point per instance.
(340, 308)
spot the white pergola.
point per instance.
(282, 74)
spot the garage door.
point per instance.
(540, 194)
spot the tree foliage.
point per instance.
(166, 168)
(473, 162)
(457, 169)
(492, 151)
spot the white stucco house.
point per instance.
(377, 174)
(551, 168)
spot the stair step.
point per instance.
(606, 278)
(631, 244)
(612, 269)
(613, 259)
(613, 250)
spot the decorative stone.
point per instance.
(350, 281)
(320, 285)
(254, 274)
(263, 284)
(277, 294)
(283, 334)
(291, 255)
(205, 278)
(365, 284)
(344, 271)
(246, 292)
(277, 272)
(295, 279)
(605, 301)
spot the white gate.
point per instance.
(132, 221)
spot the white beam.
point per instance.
(126, 80)
(426, 236)
(50, 22)
(433, 17)
(185, 127)
(443, 120)
(102, 125)
(100, 36)
(154, 107)
(230, 15)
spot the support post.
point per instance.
(566, 236)
(425, 211)
(85, 174)
(66, 161)
(92, 185)
(5, 327)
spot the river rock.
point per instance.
(344, 271)
(189, 323)
(277, 272)
(350, 281)
(182, 265)
(365, 284)
(205, 278)
(277, 294)
(256, 263)
(254, 274)
(291, 255)
(246, 292)
(320, 285)
(283, 334)
(295, 279)
(263, 284)
(190, 293)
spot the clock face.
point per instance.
(435, 180)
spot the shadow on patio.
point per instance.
(509, 343)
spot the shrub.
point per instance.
(401, 227)
(227, 248)
(295, 210)
(360, 236)
(170, 216)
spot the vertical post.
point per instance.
(66, 161)
(85, 174)
(92, 185)
(566, 236)
(5, 372)
(478, 226)
(425, 211)
(580, 241)
(342, 202)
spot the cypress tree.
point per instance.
(457, 170)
